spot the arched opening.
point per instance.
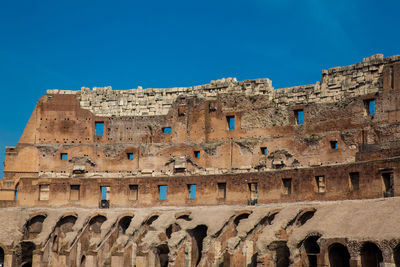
(312, 250)
(124, 223)
(55, 243)
(371, 255)
(96, 223)
(34, 227)
(151, 220)
(24, 253)
(66, 223)
(1, 257)
(396, 255)
(240, 217)
(16, 192)
(172, 229)
(338, 255)
(303, 218)
(183, 216)
(83, 261)
(162, 252)
(198, 234)
(282, 253)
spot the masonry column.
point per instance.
(90, 259)
(37, 258)
(117, 259)
(8, 260)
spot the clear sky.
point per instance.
(124, 44)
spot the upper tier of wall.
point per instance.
(336, 83)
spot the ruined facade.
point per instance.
(231, 173)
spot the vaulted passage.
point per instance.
(123, 224)
(95, 225)
(162, 252)
(24, 253)
(371, 255)
(339, 255)
(34, 227)
(312, 249)
(198, 234)
(282, 254)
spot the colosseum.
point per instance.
(230, 173)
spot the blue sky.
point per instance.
(124, 44)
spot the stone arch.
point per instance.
(304, 216)
(123, 223)
(95, 224)
(184, 215)
(66, 222)
(371, 255)
(339, 255)
(34, 225)
(152, 218)
(172, 228)
(197, 234)
(241, 216)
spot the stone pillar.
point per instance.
(90, 260)
(133, 256)
(117, 259)
(248, 250)
(36, 258)
(217, 253)
(62, 260)
(8, 260)
(188, 254)
(387, 264)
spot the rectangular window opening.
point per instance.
(197, 154)
(162, 190)
(231, 122)
(388, 184)
(44, 192)
(321, 184)
(129, 156)
(287, 186)
(99, 127)
(253, 193)
(166, 130)
(74, 192)
(354, 181)
(192, 191)
(370, 106)
(334, 144)
(299, 116)
(64, 156)
(105, 192)
(222, 190)
(133, 192)
(264, 151)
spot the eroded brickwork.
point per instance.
(222, 174)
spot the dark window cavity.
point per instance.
(388, 190)
(334, 144)
(264, 151)
(222, 190)
(197, 154)
(64, 156)
(320, 184)
(287, 186)
(354, 181)
(74, 192)
(129, 156)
